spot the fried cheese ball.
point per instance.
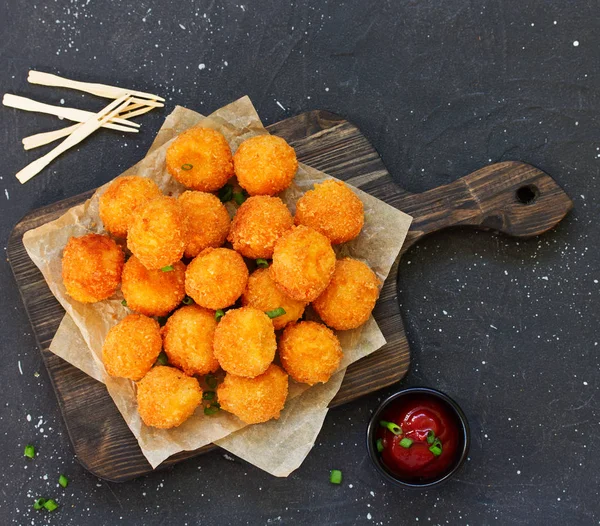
(207, 221)
(200, 158)
(258, 224)
(216, 278)
(254, 400)
(245, 342)
(303, 262)
(350, 297)
(158, 233)
(265, 165)
(333, 209)
(91, 267)
(152, 292)
(167, 397)
(309, 352)
(188, 340)
(262, 294)
(122, 199)
(132, 347)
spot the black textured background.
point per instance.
(509, 329)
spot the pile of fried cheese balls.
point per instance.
(203, 330)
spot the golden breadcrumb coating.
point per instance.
(158, 233)
(167, 397)
(207, 221)
(216, 278)
(91, 267)
(265, 165)
(350, 298)
(333, 209)
(132, 347)
(188, 340)
(200, 159)
(245, 342)
(122, 199)
(262, 294)
(254, 400)
(303, 262)
(258, 224)
(152, 292)
(309, 352)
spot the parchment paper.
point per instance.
(280, 446)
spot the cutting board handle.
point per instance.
(511, 197)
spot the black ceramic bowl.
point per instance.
(464, 434)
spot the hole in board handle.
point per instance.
(527, 194)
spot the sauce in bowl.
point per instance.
(419, 437)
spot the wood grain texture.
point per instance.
(489, 198)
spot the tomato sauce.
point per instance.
(420, 417)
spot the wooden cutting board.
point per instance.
(510, 197)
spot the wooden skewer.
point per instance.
(72, 114)
(40, 139)
(87, 128)
(101, 90)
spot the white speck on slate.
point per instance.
(280, 105)
(28, 418)
(201, 66)
(20, 370)
(585, 383)
(576, 43)
(182, 26)
(62, 101)
(369, 516)
(6, 194)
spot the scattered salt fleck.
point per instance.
(545, 278)
(62, 101)
(280, 105)
(201, 66)
(369, 516)
(28, 418)
(576, 43)
(585, 383)
(518, 472)
(20, 370)
(182, 26)
(6, 194)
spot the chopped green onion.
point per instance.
(63, 481)
(39, 504)
(208, 395)
(436, 448)
(211, 381)
(406, 442)
(187, 301)
(168, 268)
(437, 451)
(124, 303)
(212, 409)
(162, 320)
(226, 193)
(379, 445)
(187, 166)
(50, 505)
(275, 313)
(393, 427)
(239, 197)
(430, 437)
(162, 359)
(262, 263)
(335, 476)
(29, 451)
(219, 314)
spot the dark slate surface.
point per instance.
(510, 329)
